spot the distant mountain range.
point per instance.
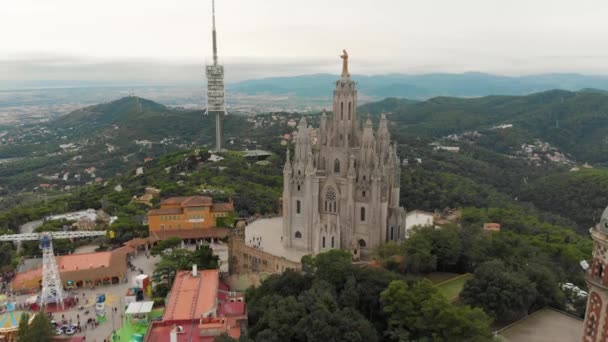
(471, 84)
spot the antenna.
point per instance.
(213, 32)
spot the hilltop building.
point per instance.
(343, 192)
(595, 327)
(79, 270)
(189, 217)
(199, 308)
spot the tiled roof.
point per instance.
(165, 211)
(72, 262)
(75, 262)
(191, 297)
(173, 200)
(197, 201)
(222, 207)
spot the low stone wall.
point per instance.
(247, 259)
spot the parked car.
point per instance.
(70, 331)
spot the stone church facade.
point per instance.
(596, 318)
(343, 191)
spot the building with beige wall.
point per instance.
(187, 213)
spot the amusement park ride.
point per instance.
(52, 287)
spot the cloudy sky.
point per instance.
(168, 41)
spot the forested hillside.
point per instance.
(574, 122)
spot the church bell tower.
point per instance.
(595, 327)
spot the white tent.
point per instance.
(139, 311)
(139, 308)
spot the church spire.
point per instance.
(287, 161)
(303, 148)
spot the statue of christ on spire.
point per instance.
(344, 57)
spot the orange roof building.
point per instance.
(199, 309)
(186, 213)
(491, 227)
(79, 269)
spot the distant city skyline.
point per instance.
(157, 41)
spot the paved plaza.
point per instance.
(114, 299)
(267, 235)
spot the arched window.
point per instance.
(392, 228)
(298, 235)
(332, 242)
(341, 110)
(298, 188)
(298, 207)
(330, 200)
(364, 177)
(362, 243)
(363, 194)
(362, 213)
(323, 245)
(337, 165)
(340, 137)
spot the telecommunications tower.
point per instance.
(215, 88)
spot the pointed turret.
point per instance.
(287, 167)
(344, 125)
(303, 148)
(383, 139)
(323, 129)
(367, 144)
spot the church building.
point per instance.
(343, 191)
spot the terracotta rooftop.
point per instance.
(192, 297)
(72, 262)
(173, 200)
(75, 262)
(222, 207)
(196, 201)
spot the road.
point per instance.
(28, 228)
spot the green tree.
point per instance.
(40, 330)
(420, 312)
(503, 294)
(22, 330)
(419, 258)
(333, 266)
(166, 245)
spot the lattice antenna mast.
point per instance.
(52, 287)
(215, 87)
(213, 32)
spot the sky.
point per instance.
(169, 41)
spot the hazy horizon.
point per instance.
(155, 41)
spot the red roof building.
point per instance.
(491, 227)
(79, 269)
(198, 309)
